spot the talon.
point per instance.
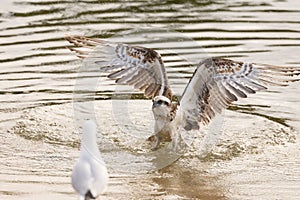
(155, 140)
(151, 138)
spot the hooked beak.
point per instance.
(155, 104)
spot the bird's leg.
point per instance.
(178, 143)
(155, 140)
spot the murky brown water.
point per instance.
(257, 156)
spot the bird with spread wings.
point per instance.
(215, 84)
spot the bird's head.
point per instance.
(161, 106)
(159, 101)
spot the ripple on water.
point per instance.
(53, 126)
(256, 157)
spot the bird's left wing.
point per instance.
(132, 65)
(217, 82)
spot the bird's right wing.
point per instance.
(132, 65)
(217, 82)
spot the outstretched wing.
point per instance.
(216, 83)
(132, 65)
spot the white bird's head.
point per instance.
(89, 130)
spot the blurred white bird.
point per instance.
(89, 176)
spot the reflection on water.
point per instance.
(183, 182)
(256, 157)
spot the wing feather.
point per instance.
(140, 67)
(244, 87)
(217, 83)
(235, 89)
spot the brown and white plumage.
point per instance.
(133, 65)
(218, 82)
(215, 84)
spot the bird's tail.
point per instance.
(89, 196)
(81, 197)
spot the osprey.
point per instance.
(215, 84)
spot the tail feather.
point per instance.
(89, 196)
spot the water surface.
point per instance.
(257, 155)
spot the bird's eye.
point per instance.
(166, 103)
(159, 101)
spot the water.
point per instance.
(257, 156)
